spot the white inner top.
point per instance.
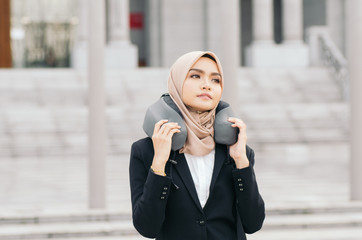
(201, 168)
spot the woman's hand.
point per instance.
(162, 139)
(238, 150)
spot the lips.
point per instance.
(204, 95)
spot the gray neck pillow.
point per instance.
(165, 108)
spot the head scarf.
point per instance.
(200, 126)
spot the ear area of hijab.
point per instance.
(165, 108)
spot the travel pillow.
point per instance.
(165, 108)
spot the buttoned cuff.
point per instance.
(242, 178)
(157, 187)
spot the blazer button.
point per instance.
(202, 222)
(165, 188)
(240, 184)
(241, 189)
(239, 179)
(162, 198)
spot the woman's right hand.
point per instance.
(162, 140)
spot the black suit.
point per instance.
(168, 207)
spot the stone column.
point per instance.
(263, 51)
(118, 16)
(354, 53)
(97, 128)
(293, 21)
(230, 49)
(263, 22)
(336, 21)
(80, 51)
(120, 53)
(154, 49)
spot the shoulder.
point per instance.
(144, 145)
(143, 142)
(142, 149)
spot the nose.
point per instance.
(206, 84)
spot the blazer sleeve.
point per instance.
(149, 194)
(249, 201)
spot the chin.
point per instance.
(204, 108)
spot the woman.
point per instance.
(208, 190)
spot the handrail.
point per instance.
(335, 61)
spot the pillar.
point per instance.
(263, 21)
(294, 51)
(80, 50)
(154, 33)
(354, 53)
(336, 21)
(120, 53)
(293, 21)
(96, 99)
(230, 49)
(262, 51)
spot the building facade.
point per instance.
(155, 32)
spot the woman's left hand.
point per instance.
(238, 150)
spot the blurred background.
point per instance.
(287, 76)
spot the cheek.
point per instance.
(218, 93)
(186, 92)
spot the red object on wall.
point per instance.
(136, 20)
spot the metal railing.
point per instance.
(323, 51)
(336, 62)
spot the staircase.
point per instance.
(297, 125)
(44, 112)
(299, 223)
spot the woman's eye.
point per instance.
(195, 76)
(216, 80)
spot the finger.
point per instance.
(232, 119)
(168, 127)
(240, 126)
(165, 128)
(158, 125)
(235, 120)
(172, 132)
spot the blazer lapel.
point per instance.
(220, 159)
(185, 174)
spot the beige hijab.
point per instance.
(200, 126)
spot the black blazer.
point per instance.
(168, 208)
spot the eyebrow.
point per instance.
(202, 71)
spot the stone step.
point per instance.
(276, 214)
(303, 221)
(69, 87)
(66, 230)
(340, 233)
(274, 225)
(11, 218)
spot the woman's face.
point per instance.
(202, 87)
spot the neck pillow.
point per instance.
(165, 108)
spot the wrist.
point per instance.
(158, 168)
(158, 172)
(241, 162)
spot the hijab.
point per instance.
(200, 126)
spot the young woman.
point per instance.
(208, 190)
